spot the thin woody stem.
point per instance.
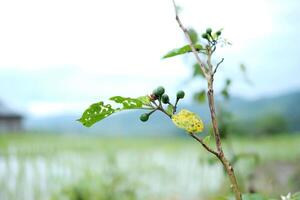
(219, 63)
(209, 74)
(203, 144)
(194, 50)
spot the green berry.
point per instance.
(180, 94)
(144, 117)
(165, 98)
(205, 36)
(159, 91)
(218, 33)
(208, 31)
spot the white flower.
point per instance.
(288, 197)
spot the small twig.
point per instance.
(160, 108)
(201, 64)
(204, 145)
(152, 111)
(209, 75)
(209, 54)
(146, 108)
(219, 63)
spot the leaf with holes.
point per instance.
(95, 113)
(145, 100)
(127, 102)
(183, 50)
(188, 120)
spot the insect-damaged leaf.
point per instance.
(96, 112)
(183, 50)
(145, 100)
(128, 103)
(188, 120)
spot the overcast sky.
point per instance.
(62, 55)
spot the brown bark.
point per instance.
(228, 168)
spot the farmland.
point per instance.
(52, 166)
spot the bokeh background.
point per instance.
(58, 57)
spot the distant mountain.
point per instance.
(127, 123)
(286, 105)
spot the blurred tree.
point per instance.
(271, 123)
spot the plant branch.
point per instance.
(219, 63)
(204, 145)
(209, 54)
(209, 74)
(194, 50)
(160, 108)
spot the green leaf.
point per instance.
(225, 93)
(197, 70)
(255, 196)
(183, 50)
(215, 36)
(127, 102)
(193, 35)
(96, 112)
(296, 196)
(227, 82)
(170, 109)
(145, 100)
(243, 67)
(200, 96)
(206, 140)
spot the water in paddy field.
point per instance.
(153, 174)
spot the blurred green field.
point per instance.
(280, 147)
(52, 166)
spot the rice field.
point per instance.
(43, 166)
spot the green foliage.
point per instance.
(128, 103)
(145, 100)
(170, 109)
(296, 196)
(197, 71)
(200, 96)
(206, 140)
(224, 91)
(193, 35)
(96, 112)
(113, 185)
(254, 196)
(271, 123)
(183, 50)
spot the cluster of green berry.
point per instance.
(157, 99)
(210, 36)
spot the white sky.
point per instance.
(61, 55)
